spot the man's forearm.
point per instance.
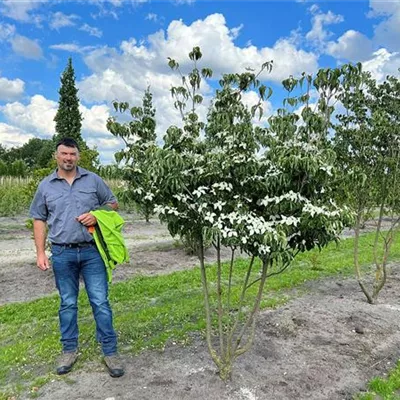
(114, 206)
(39, 233)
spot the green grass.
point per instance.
(383, 388)
(149, 312)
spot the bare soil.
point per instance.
(325, 344)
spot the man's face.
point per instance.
(67, 157)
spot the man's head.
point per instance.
(67, 154)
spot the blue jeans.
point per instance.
(68, 264)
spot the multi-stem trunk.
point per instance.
(233, 327)
(357, 268)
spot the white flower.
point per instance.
(173, 211)
(327, 169)
(149, 196)
(264, 249)
(209, 217)
(219, 204)
(200, 191)
(202, 206)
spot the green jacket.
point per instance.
(109, 239)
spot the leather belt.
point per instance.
(74, 245)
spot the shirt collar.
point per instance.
(79, 172)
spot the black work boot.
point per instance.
(114, 365)
(66, 361)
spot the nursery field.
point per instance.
(317, 338)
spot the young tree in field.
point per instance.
(140, 140)
(68, 118)
(262, 192)
(367, 143)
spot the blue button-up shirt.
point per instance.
(59, 203)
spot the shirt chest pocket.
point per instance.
(54, 202)
(87, 199)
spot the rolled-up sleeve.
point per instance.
(104, 193)
(38, 208)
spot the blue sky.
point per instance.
(120, 47)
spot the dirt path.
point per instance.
(152, 251)
(321, 346)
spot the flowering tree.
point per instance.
(367, 143)
(264, 192)
(140, 140)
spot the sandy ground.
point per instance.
(152, 251)
(323, 345)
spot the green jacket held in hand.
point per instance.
(109, 239)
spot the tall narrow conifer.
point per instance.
(68, 118)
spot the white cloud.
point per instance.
(26, 47)
(235, 32)
(91, 30)
(124, 73)
(352, 46)
(379, 8)
(382, 64)
(108, 86)
(386, 32)
(11, 136)
(11, 89)
(61, 20)
(36, 117)
(95, 118)
(71, 47)
(318, 34)
(21, 10)
(6, 31)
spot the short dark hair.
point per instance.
(69, 142)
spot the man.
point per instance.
(62, 202)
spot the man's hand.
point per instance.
(42, 262)
(39, 232)
(87, 219)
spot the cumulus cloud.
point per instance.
(11, 89)
(37, 116)
(26, 47)
(352, 46)
(95, 118)
(382, 64)
(119, 72)
(387, 31)
(91, 30)
(125, 72)
(318, 34)
(11, 136)
(61, 20)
